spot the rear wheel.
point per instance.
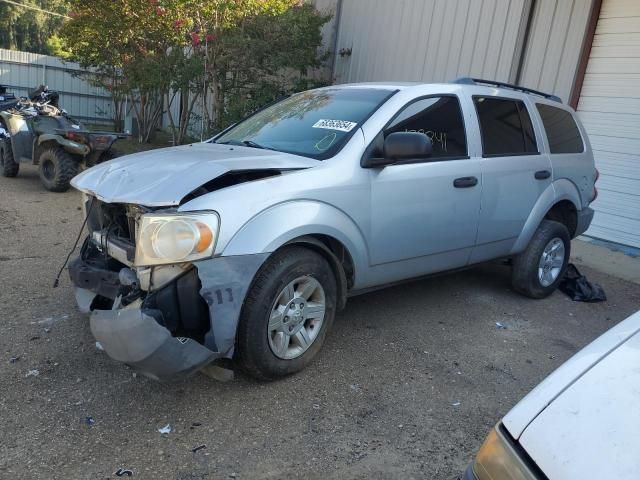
(289, 308)
(8, 166)
(538, 270)
(57, 168)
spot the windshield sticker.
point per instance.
(341, 125)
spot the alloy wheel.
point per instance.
(296, 318)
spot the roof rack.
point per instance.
(479, 81)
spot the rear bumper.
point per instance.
(584, 220)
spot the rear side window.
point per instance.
(561, 128)
(505, 127)
(440, 118)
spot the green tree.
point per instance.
(228, 55)
(29, 30)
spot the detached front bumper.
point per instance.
(133, 337)
(173, 330)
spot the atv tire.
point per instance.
(57, 168)
(8, 166)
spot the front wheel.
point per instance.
(57, 168)
(289, 308)
(538, 270)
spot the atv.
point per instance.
(34, 129)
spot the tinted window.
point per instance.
(315, 123)
(505, 127)
(440, 118)
(561, 128)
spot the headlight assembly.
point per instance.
(176, 238)
(498, 459)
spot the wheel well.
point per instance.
(38, 149)
(338, 257)
(564, 212)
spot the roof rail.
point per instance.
(479, 81)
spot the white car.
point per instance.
(581, 422)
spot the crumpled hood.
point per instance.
(164, 177)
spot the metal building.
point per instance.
(585, 51)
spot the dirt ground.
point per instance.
(409, 381)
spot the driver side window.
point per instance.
(440, 118)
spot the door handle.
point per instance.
(465, 182)
(542, 174)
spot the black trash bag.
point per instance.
(578, 288)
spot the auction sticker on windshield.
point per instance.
(341, 125)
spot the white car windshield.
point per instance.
(315, 123)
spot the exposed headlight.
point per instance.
(181, 237)
(498, 459)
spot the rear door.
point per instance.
(514, 173)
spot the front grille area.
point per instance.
(117, 219)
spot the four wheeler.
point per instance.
(36, 130)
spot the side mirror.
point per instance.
(399, 146)
(407, 145)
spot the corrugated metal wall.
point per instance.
(428, 40)
(553, 46)
(23, 71)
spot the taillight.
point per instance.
(101, 140)
(75, 136)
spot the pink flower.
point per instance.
(195, 39)
(179, 23)
(211, 38)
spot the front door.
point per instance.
(424, 213)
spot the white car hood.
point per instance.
(583, 420)
(164, 177)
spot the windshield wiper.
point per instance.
(246, 143)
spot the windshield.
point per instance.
(315, 124)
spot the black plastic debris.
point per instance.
(578, 288)
(194, 450)
(89, 421)
(122, 472)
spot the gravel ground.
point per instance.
(409, 381)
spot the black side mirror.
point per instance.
(407, 145)
(400, 146)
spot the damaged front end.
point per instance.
(164, 319)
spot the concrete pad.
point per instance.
(605, 259)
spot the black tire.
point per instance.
(57, 168)
(525, 275)
(253, 352)
(8, 166)
(108, 155)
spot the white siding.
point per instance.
(428, 40)
(553, 48)
(610, 110)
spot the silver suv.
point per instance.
(245, 246)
